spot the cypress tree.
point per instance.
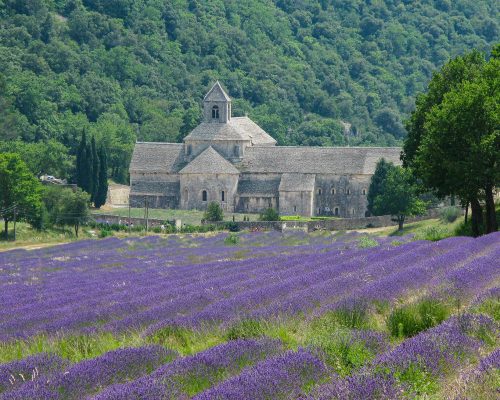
(87, 170)
(95, 170)
(102, 192)
(81, 174)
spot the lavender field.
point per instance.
(252, 316)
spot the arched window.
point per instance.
(353, 211)
(223, 196)
(364, 191)
(215, 112)
(319, 192)
(294, 208)
(348, 191)
(186, 195)
(333, 190)
(204, 195)
(336, 211)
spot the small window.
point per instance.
(222, 196)
(189, 149)
(215, 112)
(204, 195)
(237, 151)
(319, 210)
(353, 211)
(364, 192)
(319, 192)
(294, 208)
(333, 190)
(348, 191)
(336, 211)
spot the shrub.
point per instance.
(353, 314)
(105, 233)
(270, 215)
(232, 239)
(409, 320)
(214, 212)
(450, 214)
(366, 241)
(232, 227)
(244, 329)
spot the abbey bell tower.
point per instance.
(217, 105)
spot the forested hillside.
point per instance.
(303, 69)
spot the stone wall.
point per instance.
(296, 203)
(193, 185)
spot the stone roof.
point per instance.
(140, 187)
(157, 157)
(237, 128)
(216, 94)
(297, 183)
(258, 187)
(316, 160)
(209, 162)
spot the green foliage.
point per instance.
(454, 141)
(377, 183)
(450, 214)
(20, 192)
(232, 239)
(72, 208)
(366, 242)
(398, 195)
(102, 188)
(214, 212)
(409, 320)
(127, 70)
(269, 214)
(245, 329)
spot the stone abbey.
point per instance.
(232, 161)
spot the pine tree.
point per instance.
(100, 198)
(95, 170)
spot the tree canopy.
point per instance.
(309, 72)
(20, 192)
(396, 193)
(454, 137)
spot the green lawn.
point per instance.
(191, 217)
(429, 229)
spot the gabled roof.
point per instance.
(258, 187)
(297, 183)
(216, 94)
(316, 160)
(157, 157)
(209, 162)
(237, 128)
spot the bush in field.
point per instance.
(232, 239)
(270, 215)
(449, 214)
(409, 320)
(214, 212)
(245, 329)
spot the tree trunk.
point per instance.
(466, 212)
(6, 228)
(491, 220)
(401, 220)
(76, 230)
(477, 217)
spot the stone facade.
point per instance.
(233, 161)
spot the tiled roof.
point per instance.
(297, 183)
(157, 157)
(255, 187)
(316, 160)
(237, 128)
(216, 94)
(209, 162)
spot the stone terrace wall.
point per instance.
(339, 224)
